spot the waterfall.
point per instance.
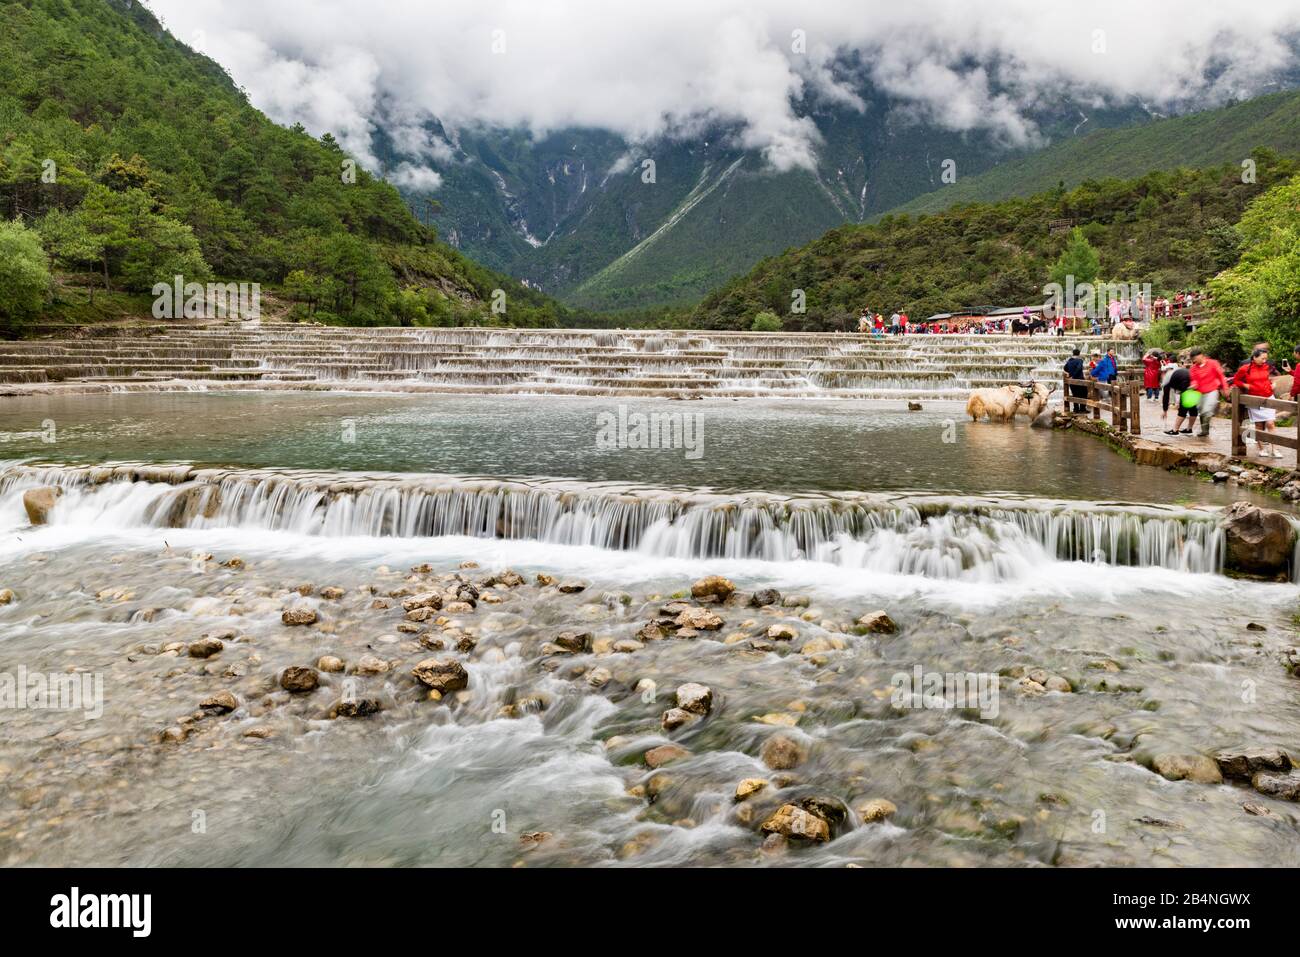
(930, 536)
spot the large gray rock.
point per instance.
(1187, 767)
(1285, 787)
(1260, 540)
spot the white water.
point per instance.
(990, 540)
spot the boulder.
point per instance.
(748, 787)
(39, 501)
(429, 599)
(299, 680)
(441, 675)
(7, 596)
(782, 632)
(765, 596)
(330, 663)
(675, 718)
(695, 698)
(1147, 452)
(571, 587)
(792, 821)
(1187, 767)
(1260, 541)
(1245, 763)
(355, 708)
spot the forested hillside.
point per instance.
(1171, 229)
(133, 159)
(1208, 138)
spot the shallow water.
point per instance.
(747, 444)
(1154, 644)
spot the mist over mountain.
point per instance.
(530, 125)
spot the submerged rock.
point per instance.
(223, 702)
(205, 647)
(700, 619)
(749, 786)
(675, 718)
(781, 752)
(665, 754)
(877, 809)
(355, 708)
(577, 642)
(765, 596)
(299, 615)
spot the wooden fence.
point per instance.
(1241, 400)
(1122, 398)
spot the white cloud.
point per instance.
(675, 66)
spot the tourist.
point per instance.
(1107, 369)
(1255, 378)
(1295, 376)
(864, 321)
(1178, 382)
(1207, 379)
(1074, 370)
(1151, 374)
(894, 320)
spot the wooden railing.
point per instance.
(1241, 400)
(1122, 398)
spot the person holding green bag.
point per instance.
(1209, 380)
(1185, 399)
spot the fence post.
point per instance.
(1094, 395)
(1238, 446)
(1135, 408)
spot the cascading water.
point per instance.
(933, 537)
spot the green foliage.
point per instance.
(141, 159)
(1221, 338)
(1167, 335)
(1258, 299)
(766, 322)
(1005, 253)
(24, 275)
(1080, 260)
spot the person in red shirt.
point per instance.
(1295, 376)
(1208, 379)
(1151, 374)
(1255, 378)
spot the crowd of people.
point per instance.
(899, 324)
(1192, 385)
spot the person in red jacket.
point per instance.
(1151, 374)
(1208, 379)
(1255, 379)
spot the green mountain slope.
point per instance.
(134, 158)
(1170, 229)
(1208, 138)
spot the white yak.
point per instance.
(1000, 405)
(1034, 396)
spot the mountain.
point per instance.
(1207, 138)
(570, 212)
(1170, 229)
(134, 158)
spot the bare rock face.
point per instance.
(442, 676)
(39, 501)
(1260, 540)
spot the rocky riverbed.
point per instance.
(281, 702)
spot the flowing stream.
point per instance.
(998, 551)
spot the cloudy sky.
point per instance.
(647, 67)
